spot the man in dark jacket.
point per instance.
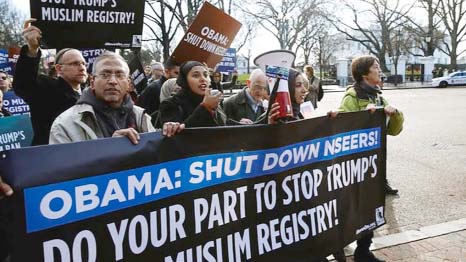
(150, 97)
(47, 97)
(246, 106)
(216, 83)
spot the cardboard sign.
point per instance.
(208, 38)
(89, 24)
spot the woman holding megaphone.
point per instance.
(286, 105)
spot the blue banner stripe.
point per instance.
(61, 203)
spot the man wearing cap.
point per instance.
(246, 106)
(47, 97)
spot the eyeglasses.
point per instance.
(108, 76)
(75, 64)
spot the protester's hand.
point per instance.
(5, 189)
(332, 114)
(131, 133)
(32, 36)
(371, 108)
(246, 121)
(390, 110)
(169, 129)
(211, 101)
(273, 113)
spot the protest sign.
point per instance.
(15, 132)
(4, 63)
(137, 74)
(228, 63)
(286, 192)
(89, 24)
(90, 55)
(15, 104)
(208, 37)
(13, 55)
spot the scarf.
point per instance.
(110, 119)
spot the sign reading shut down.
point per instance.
(208, 38)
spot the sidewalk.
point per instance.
(387, 86)
(442, 242)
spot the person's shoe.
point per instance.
(365, 257)
(390, 190)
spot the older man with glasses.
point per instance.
(47, 97)
(105, 109)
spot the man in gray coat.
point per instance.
(105, 109)
(246, 106)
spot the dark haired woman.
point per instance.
(194, 105)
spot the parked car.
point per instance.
(455, 78)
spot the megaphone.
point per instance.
(275, 64)
(281, 58)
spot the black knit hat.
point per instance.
(182, 79)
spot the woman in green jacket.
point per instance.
(365, 94)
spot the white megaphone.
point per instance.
(276, 66)
(281, 58)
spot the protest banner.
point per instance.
(208, 38)
(89, 24)
(15, 104)
(228, 63)
(287, 192)
(137, 74)
(4, 63)
(15, 132)
(13, 55)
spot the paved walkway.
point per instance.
(449, 247)
(442, 242)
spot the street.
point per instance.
(427, 161)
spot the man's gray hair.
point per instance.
(109, 55)
(256, 73)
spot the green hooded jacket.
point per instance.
(352, 103)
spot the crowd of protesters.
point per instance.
(65, 109)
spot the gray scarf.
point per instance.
(110, 119)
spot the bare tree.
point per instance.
(325, 47)
(285, 21)
(162, 24)
(10, 25)
(382, 18)
(310, 36)
(166, 18)
(453, 15)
